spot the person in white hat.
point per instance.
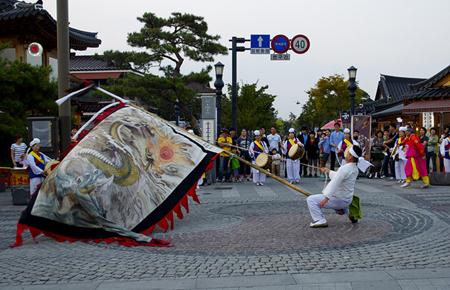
(399, 156)
(36, 165)
(257, 147)
(292, 166)
(342, 146)
(444, 149)
(338, 194)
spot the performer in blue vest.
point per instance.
(257, 147)
(292, 166)
(36, 162)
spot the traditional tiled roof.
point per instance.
(18, 16)
(428, 83)
(395, 88)
(200, 88)
(393, 109)
(6, 5)
(426, 89)
(440, 92)
(90, 63)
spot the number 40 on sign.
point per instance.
(300, 44)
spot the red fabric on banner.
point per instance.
(124, 241)
(128, 242)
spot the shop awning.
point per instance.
(330, 125)
(427, 106)
(397, 109)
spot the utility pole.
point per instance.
(64, 110)
(234, 50)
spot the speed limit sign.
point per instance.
(300, 44)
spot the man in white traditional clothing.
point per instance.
(399, 156)
(338, 194)
(292, 166)
(445, 152)
(257, 147)
(36, 162)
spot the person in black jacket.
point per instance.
(312, 153)
(303, 137)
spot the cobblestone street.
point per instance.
(241, 230)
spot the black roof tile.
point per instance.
(90, 63)
(12, 11)
(440, 92)
(397, 87)
(431, 81)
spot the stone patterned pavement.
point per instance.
(245, 232)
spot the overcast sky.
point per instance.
(397, 37)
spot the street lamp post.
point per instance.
(218, 84)
(352, 86)
(177, 112)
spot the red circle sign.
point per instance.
(280, 43)
(35, 49)
(300, 44)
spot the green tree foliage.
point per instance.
(25, 91)
(172, 39)
(326, 100)
(176, 38)
(142, 61)
(159, 94)
(254, 107)
(167, 40)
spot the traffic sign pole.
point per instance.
(234, 50)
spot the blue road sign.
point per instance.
(280, 43)
(260, 41)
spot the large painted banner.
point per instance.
(128, 173)
(362, 124)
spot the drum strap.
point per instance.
(37, 157)
(292, 142)
(348, 142)
(259, 145)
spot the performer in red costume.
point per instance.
(415, 164)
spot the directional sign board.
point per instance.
(345, 117)
(260, 44)
(300, 44)
(277, 56)
(280, 43)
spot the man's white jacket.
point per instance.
(342, 183)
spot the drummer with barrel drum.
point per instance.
(259, 152)
(294, 150)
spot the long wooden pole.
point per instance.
(245, 149)
(277, 178)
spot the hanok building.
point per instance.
(388, 103)
(23, 23)
(418, 102)
(95, 69)
(428, 101)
